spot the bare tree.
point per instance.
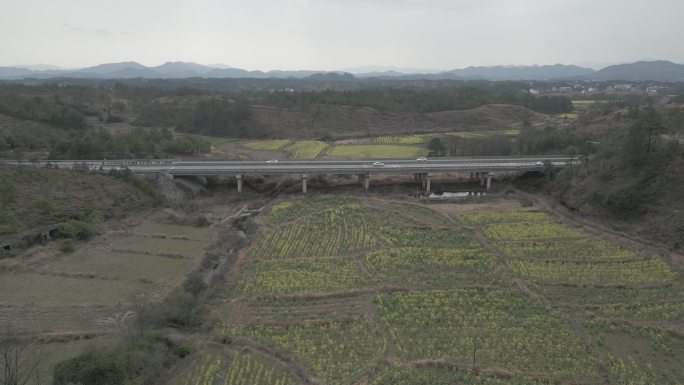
(19, 362)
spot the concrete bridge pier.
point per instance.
(366, 181)
(427, 182)
(304, 177)
(489, 181)
(238, 177)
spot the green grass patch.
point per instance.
(267, 145)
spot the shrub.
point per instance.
(140, 361)
(66, 246)
(76, 230)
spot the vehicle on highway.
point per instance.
(378, 164)
(421, 159)
(540, 163)
(272, 161)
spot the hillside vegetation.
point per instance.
(634, 181)
(31, 197)
(141, 120)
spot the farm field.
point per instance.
(305, 149)
(267, 145)
(376, 151)
(91, 291)
(350, 290)
(483, 134)
(401, 139)
(215, 366)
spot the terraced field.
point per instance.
(483, 134)
(305, 149)
(90, 292)
(218, 367)
(350, 291)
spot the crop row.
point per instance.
(207, 370)
(530, 230)
(281, 276)
(491, 328)
(591, 295)
(413, 215)
(483, 134)
(292, 309)
(635, 349)
(489, 217)
(637, 273)
(245, 369)
(627, 372)
(661, 312)
(399, 375)
(295, 210)
(580, 249)
(305, 149)
(425, 267)
(339, 231)
(427, 237)
(336, 352)
(400, 139)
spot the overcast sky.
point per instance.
(335, 34)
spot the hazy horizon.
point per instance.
(333, 34)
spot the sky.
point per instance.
(340, 34)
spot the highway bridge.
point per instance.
(422, 168)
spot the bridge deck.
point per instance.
(382, 166)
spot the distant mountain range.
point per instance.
(643, 70)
